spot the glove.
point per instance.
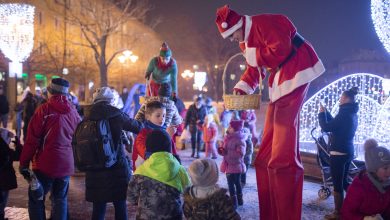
(147, 76)
(237, 91)
(221, 151)
(174, 98)
(373, 217)
(26, 173)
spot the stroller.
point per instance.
(323, 160)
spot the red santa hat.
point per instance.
(228, 21)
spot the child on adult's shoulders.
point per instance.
(205, 199)
(368, 197)
(158, 183)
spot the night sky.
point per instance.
(336, 28)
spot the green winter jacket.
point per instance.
(163, 167)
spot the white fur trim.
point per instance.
(301, 78)
(231, 30)
(250, 55)
(224, 25)
(248, 26)
(244, 87)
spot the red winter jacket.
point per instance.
(363, 199)
(49, 138)
(140, 147)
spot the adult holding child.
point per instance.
(272, 42)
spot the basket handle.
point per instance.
(224, 74)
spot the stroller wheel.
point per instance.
(324, 193)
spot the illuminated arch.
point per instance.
(370, 98)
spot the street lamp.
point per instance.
(187, 74)
(127, 55)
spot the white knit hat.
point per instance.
(375, 156)
(103, 94)
(203, 172)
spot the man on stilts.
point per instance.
(271, 42)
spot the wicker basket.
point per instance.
(240, 102)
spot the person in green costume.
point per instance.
(162, 69)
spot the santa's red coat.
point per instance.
(267, 45)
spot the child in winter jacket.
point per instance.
(248, 152)
(155, 118)
(210, 134)
(158, 183)
(7, 172)
(205, 199)
(233, 151)
(368, 196)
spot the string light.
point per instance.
(380, 10)
(17, 33)
(373, 115)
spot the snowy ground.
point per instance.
(313, 207)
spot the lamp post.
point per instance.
(126, 56)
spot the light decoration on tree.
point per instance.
(17, 34)
(380, 13)
(373, 115)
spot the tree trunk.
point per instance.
(103, 73)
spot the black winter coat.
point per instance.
(195, 117)
(110, 184)
(343, 127)
(7, 171)
(4, 105)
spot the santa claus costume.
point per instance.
(272, 42)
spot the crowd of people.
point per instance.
(148, 172)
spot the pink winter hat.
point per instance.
(237, 124)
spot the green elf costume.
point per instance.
(162, 69)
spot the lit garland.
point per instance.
(380, 10)
(372, 113)
(17, 33)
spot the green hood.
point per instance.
(163, 167)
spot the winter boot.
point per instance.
(193, 152)
(338, 203)
(234, 201)
(240, 200)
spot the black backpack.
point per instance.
(93, 146)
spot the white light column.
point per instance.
(16, 40)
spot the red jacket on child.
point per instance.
(364, 199)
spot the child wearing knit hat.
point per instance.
(204, 199)
(158, 183)
(233, 151)
(368, 196)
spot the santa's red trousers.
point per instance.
(279, 171)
